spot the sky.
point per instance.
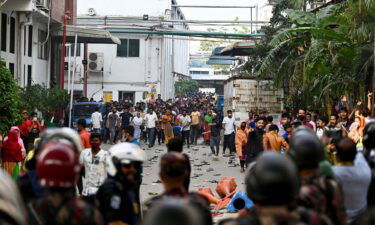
(217, 14)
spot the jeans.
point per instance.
(186, 137)
(229, 142)
(215, 144)
(194, 133)
(151, 136)
(112, 135)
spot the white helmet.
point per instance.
(67, 135)
(124, 153)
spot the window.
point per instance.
(128, 48)
(29, 75)
(133, 48)
(4, 28)
(122, 50)
(12, 40)
(30, 42)
(11, 68)
(42, 47)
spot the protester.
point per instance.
(321, 126)
(195, 121)
(241, 148)
(83, 133)
(94, 161)
(354, 175)
(229, 132)
(150, 121)
(138, 123)
(185, 121)
(13, 152)
(255, 141)
(96, 120)
(34, 131)
(216, 127)
(207, 122)
(25, 128)
(129, 135)
(272, 141)
(118, 200)
(113, 125)
(167, 120)
(126, 117)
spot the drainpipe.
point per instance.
(19, 50)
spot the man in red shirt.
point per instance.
(25, 127)
(83, 133)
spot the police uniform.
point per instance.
(72, 211)
(118, 202)
(193, 198)
(300, 216)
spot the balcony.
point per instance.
(43, 5)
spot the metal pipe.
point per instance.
(69, 46)
(183, 33)
(214, 6)
(73, 79)
(63, 53)
(123, 18)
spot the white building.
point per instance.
(148, 59)
(26, 40)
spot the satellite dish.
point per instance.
(92, 12)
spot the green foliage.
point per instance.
(317, 57)
(46, 100)
(10, 102)
(184, 87)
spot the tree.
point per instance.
(186, 87)
(10, 102)
(323, 55)
(43, 99)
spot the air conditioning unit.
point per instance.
(96, 61)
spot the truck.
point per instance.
(243, 95)
(84, 110)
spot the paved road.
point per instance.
(205, 171)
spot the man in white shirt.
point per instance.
(354, 174)
(185, 121)
(137, 122)
(150, 122)
(94, 160)
(229, 132)
(96, 119)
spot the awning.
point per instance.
(239, 49)
(19, 5)
(87, 35)
(217, 59)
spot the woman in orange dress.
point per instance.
(167, 120)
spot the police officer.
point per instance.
(272, 183)
(57, 170)
(117, 196)
(317, 192)
(174, 211)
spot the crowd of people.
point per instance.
(302, 169)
